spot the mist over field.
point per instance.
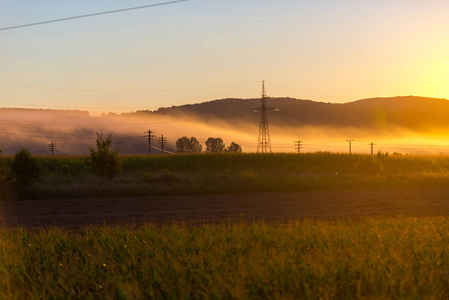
(74, 132)
(402, 124)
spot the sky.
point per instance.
(201, 50)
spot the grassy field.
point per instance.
(373, 258)
(70, 177)
(369, 258)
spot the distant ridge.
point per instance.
(74, 131)
(411, 112)
(418, 114)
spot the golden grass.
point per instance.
(372, 258)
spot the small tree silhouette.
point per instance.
(185, 144)
(215, 145)
(104, 162)
(25, 168)
(234, 147)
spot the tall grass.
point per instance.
(305, 163)
(375, 258)
(144, 175)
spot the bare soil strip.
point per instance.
(225, 208)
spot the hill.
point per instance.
(74, 132)
(414, 113)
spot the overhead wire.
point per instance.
(74, 107)
(93, 14)
(301, 90)
(127, 91)
(11, 122)
(112, 91)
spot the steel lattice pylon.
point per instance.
(263, 143)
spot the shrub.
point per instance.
(5, 179)
(104, 162)
(25, 168)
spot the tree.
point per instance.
(215, 145)
(104, 162)
(5, 177)
(185, 144)
(194, 145)
(234, 147)
(182, 144)
(25, 168)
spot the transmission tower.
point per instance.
(298, 146)
(263, 143)
(52, 147)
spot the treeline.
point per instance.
(24, 170)
(213, 145)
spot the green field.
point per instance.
(400, 257)
(373, 258)
(70, 177)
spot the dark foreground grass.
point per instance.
(373, 258)
(70, 177)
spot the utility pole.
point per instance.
(298, 146)
(52, 147)
(372, 144)
(263, 143)
(149, 137)
(162, 141)
(349, 141)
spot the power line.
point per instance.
(71, 107)
(162, 141)
(123, 91)
(93, 14)
(298, 146)
(11, 122)
(52, 147)
(150, 136)
(70, 136)
(301, 90)
(350, 142)
(164, 150)
(372, 146)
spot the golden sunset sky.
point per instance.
(200, 50)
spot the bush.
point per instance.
(25, 168)
(5, 180)
(5, 174)
(104, 162)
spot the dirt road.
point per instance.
(223, 208)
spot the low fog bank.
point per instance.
(74, 132)
(335, 139)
